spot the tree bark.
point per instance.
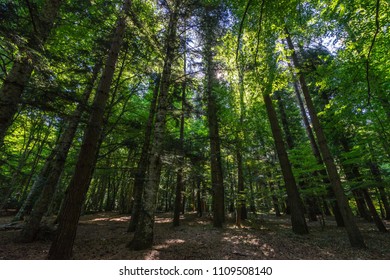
(50, 174)
(354, 234)
(317, 155)
(140, 173)
(62, 245)
(298, 221)
(144, 233)
(218, 193)
(179, 202)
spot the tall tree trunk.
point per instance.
(179, 202)
(62, 245)
(317, 155)
(354, 234)
(298, 221)
(50, 174)
(19, 75)
(144, 234)
(218, 193)
(140, 173)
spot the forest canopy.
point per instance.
(223, 108)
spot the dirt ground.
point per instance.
(103, 236)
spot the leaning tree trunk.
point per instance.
(50, 175)
(298, 221)
(354, 234)
(62, 245)
(144, 233)
(19, 75)
(317, 155)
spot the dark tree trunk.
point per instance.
(317, 155)
(296, 206)
(218, 192)
(354, 234)
(62, 245)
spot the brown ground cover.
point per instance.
(104, 236)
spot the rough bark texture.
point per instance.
(140, 174)
(19, 75)
(62, 245)
(298, 221)
(218, 193)
(241, 200)
(317, 155)
(179, 202)
(354, 234)
(50, 175)
(144, 233)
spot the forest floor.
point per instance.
(104, 236)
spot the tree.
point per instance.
(143, 236)
(14, 84)
(355, 237)
(61, 247)
(210, 22)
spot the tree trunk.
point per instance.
(140, 173)
(19, 75)
(298, 221)
(62, 245)
(354, 234)
(317, 155)
(218, 193)
(51, 172)
(179, 202)
(144, 233)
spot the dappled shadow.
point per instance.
(105, 236)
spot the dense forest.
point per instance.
(225, 112)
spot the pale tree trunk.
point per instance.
(59, 153)
(354, 234)
(62, 245)
(179, 202)
(142, 166)
(48, 178)
(19, 75)
(144, 233)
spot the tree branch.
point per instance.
(240, 30)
